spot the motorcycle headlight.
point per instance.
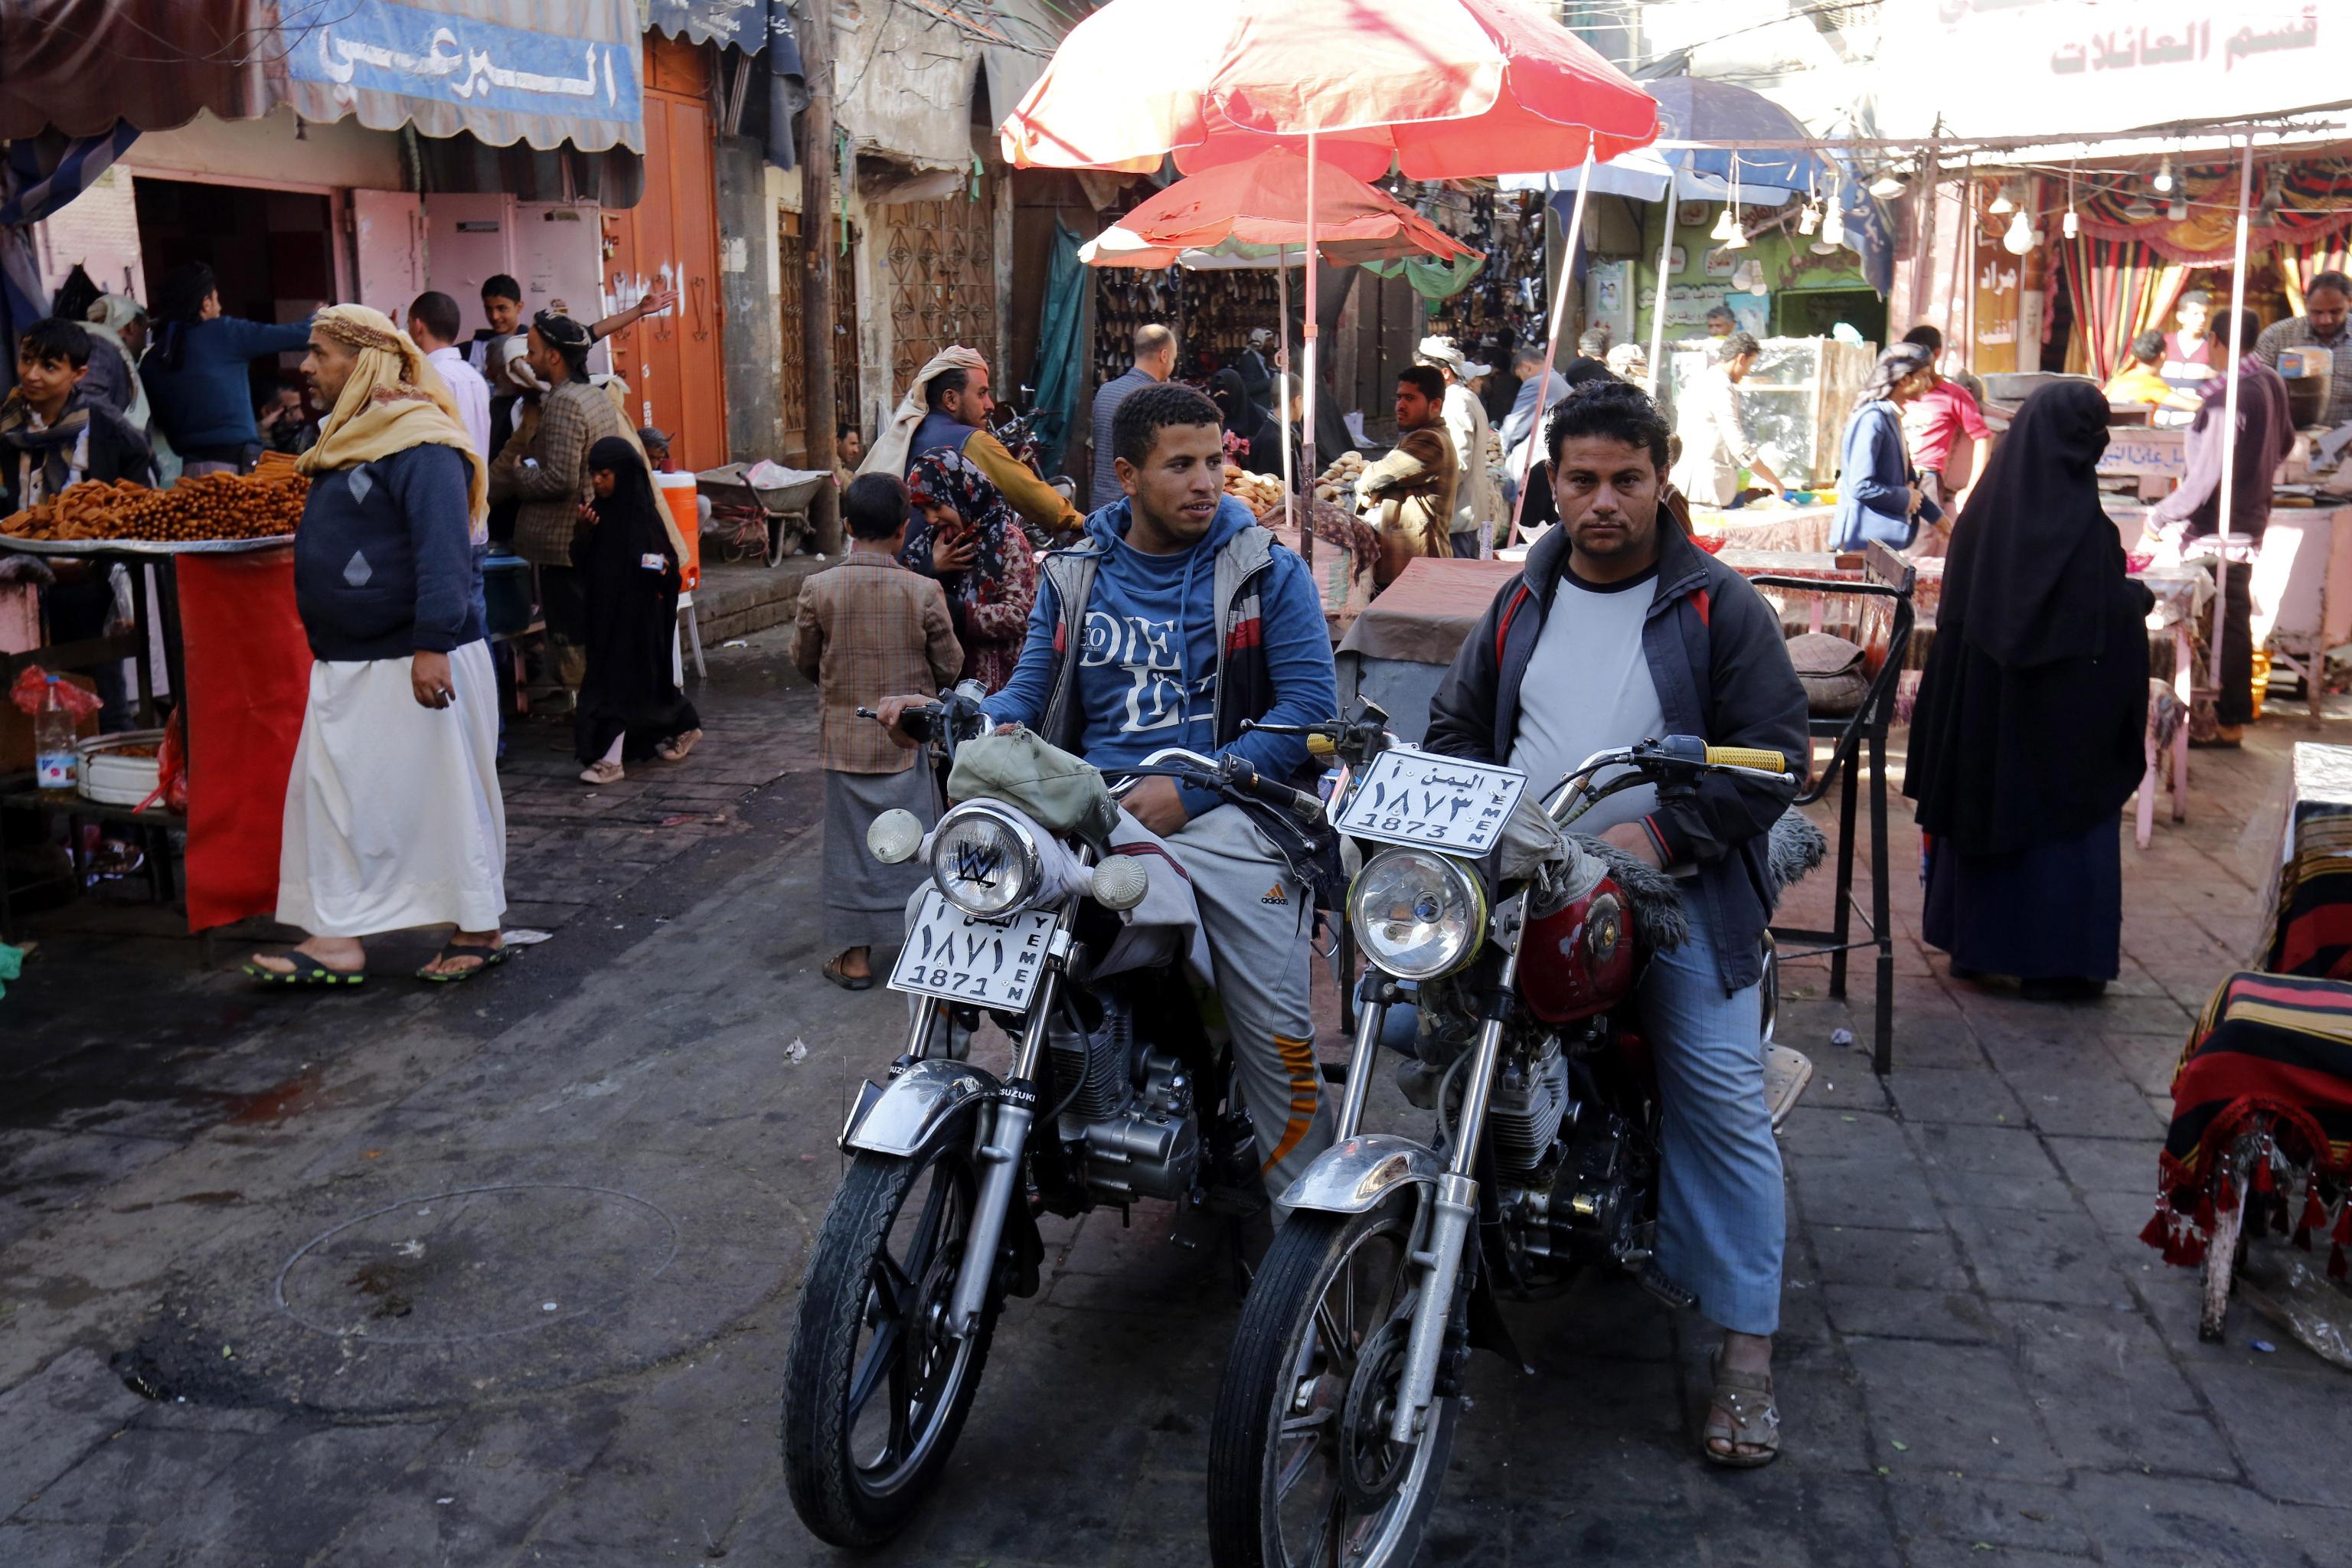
(1416, 914)
(985, 863)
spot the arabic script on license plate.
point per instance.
(1420, 797)
(960, 957)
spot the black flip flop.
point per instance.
(831, 971)
(308, 972)
(491, 957)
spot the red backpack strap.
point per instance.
(1503, 626)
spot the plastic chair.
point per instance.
(1885, 575)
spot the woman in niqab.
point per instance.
(627, 557)
(2027, 738)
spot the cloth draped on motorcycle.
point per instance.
(1221, 896)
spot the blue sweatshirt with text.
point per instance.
(1147, 675)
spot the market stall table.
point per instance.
(1805, 527)
(1405, 640)
(237, 666)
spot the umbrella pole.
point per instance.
(2230, 423)
(1658, 310)
(1307, 333)
(1551, 340)
(1281, 412)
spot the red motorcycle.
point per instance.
(1520, 942)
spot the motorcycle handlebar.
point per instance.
(1306, 808)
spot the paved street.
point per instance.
(503, 1273)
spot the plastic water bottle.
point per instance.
(53, 743)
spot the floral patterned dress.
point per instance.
(991, 598)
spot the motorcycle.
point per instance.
(1521, 946)
(1116, 1093)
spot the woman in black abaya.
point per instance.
(630, 708)
(2027, 737)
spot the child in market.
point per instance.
(869, 628)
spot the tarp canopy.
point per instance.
(1698, 109)
(157, 64)
(758, 28)
(545, 72)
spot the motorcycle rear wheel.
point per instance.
(1300, 1416)
(874, 1390)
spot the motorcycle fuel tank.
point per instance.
(1578, 959)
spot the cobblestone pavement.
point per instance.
(607, 1163)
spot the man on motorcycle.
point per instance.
(1619, 629)
(1176, 618)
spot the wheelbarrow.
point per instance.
(765, 521)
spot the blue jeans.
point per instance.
(1721, 1209)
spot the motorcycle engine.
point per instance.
(1530, 1100)
(1129, 1120)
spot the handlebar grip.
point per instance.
(1320, 748)
(1747, 757)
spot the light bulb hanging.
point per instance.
(2070, 225)
(2163, 181)
(2000, 201)
(1809, 218)
(2020, 238)
(1724, 224)
(1739, 241)
(1833, 227)
(1886, 184)
(2179, 211)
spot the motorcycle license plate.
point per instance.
(1420, 797)
(962, 958)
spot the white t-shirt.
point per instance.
(1586, 689)
(469, 392)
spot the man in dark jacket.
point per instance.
(1620, 630)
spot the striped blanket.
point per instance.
(2271, 1057)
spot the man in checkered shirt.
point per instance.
(2326, 301)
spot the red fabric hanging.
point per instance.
(248, 676)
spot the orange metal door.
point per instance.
(670, 240)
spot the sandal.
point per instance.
(490, 958)
(306, 971)
(1747, 1398)
(601, 773)
(674, 749)
(831, 971)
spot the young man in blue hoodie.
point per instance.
(1174, 620)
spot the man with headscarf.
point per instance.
(545, 470)
(393, 817)
(948, 406)
(1476, 504)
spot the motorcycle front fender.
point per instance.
(1359, 1174)
(901, 1117)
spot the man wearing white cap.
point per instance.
(1475, 502)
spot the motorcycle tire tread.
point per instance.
(817, 1365)
(1301, 1255)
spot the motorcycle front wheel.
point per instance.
(875, 1390)
(1301, 1470)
